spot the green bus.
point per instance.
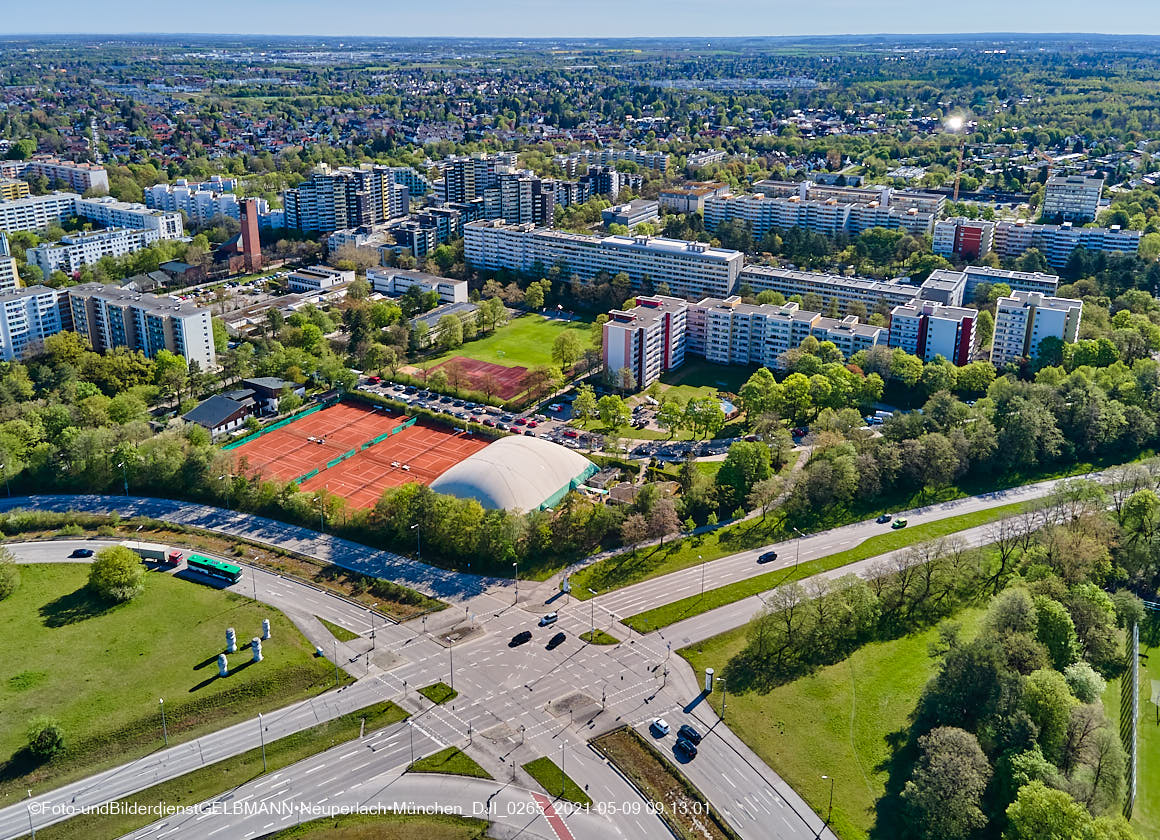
(214, 568)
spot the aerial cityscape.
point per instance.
(580, 423)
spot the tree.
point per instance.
(45, 738)
(566, 349)
(1047, 700)
(1056, 631)
(450, 331)
(289, 401)
(633, 530)
(1040, 813)
(613, 412)
(746, 464)
(764, 493)
(663, 520)
(117, 574)
(170, 373)
(946, 789)
(534, 296)
(584, 406)
(670, 416)
(1084, 682)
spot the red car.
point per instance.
(520, 421)
(374, 380)
(571, 433)
(532, 424)
(488, 421)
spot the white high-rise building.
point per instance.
(27, 317)
(928, 329)
(647, 339)
(9, 279)
(80, 249)
(1024, 319)
(200, 202)
(1074, 198)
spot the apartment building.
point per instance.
(1021, 281)
(829, 287)
(110, 316)
(1024, 319)
(691, 197)
(9, 278)
(27, 317)
(647, 339)
(395, 282)
(12, 189)
(36, 212)
(81, 177)
(689, 269)
(928, 329)
(316, 278)
(198, 201)
(1072, 198)
(334, 199)
(827, 216)
(80, 249)
(932, 203)
(1057, 242)
(967, 239)
(606, 180)
(698, 159)
(39, 211)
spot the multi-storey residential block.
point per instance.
(1057, 242)
(1024, 319)
(1021, 281)
(967, 239)
(81, 177)
(27, 317)
(109, 212)
(396, 281)
(12, 189)
(334, 199)
(9, 279)
(37, 212)
(316, 278)
(830, 217)
(632, 213)
(829, 287)
(932, 203)
(698, 159)
(80, 249)
(928, 329)
(647, 339)
(1072, 198)
(691, 197)
(110, 316)
(198, 201)
(689, 269)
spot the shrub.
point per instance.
(45, 738)
(117, 574)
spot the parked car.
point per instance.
(883, 519)
(374, 380)
(487, 421)
(688, 733)
(555, 407)
(767, 557)
(898, 523)
(687, 747)
(520, 637)
(520, 421)
(532, 424)
(557, 640)
(660, 727)
(550, 618)
(571, 433)
(529, 433)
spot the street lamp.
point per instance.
(592, 613)
(798, 549)
(321, 511)
(164, 728)
(411, 734)
(373, 625)
(516, 578)
(227, 486)
(6, 484)
(702, 559)
(724, 696)
(262, 736)
(418, 544)
(125, 476)
(830, 809)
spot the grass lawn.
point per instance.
(698, 373)
(387, 827)
(338, 631)
(686, 811)
(439, 692)
(624, 569)
(526, 341)
(229, 773)
(840, 721)
(1146, 812)
(709, 469)
(667, 614)
(100, 670)
(451, 761)
(555, 781)
(599, 637)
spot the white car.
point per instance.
(550, 618)
(660, 727)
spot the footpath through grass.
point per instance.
(99, 670)
(841, 721)
(387, 827)
(671, 613)
(555, 781)
(686, 811)
(210, 781)
(451, 761)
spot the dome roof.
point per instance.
(516, 473)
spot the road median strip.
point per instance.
(693, 605)
(555, 781)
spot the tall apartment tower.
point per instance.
(9, 279)
(251, 241)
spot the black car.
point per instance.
(520, 637)
(768, 557)
(884, 518)
(688, 733)
(556, 641)
(447, 400)
(684, 745)
(82, 552)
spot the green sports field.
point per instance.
(100, 671)
(525, 341)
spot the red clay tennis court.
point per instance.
(509, 380)
(336, 436)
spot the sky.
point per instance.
(581, 18)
